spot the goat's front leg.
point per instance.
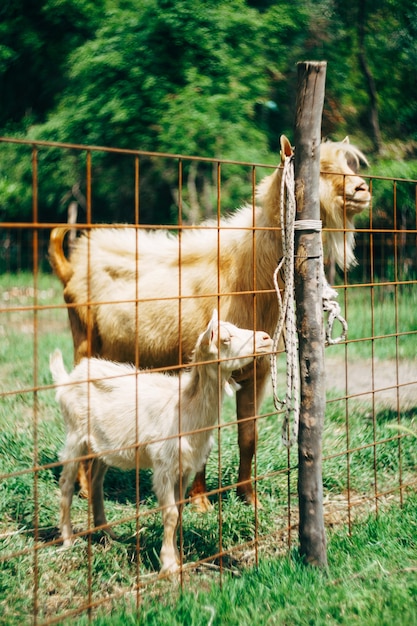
(168, 500)
(98, 471)
(66, 483)
(179, 496)
(198, 492)
(82, 478)
(248, 399)
(86, 344)
(169, 555)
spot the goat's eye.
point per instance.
(227, 341)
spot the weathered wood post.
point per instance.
(308, 294)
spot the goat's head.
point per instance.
(343, 194)
(235, 347)
(340, 186)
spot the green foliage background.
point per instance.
(213, 78)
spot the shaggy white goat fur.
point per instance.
(129, 417)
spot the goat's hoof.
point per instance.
(249, 498)
(201, 503)
(67, 543)
(106, 539)
(110, 534)
(169, 570)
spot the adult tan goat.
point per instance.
(144, 297)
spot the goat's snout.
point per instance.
(362, 187)
(359, 197)
(263, 342)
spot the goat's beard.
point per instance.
(341, 245)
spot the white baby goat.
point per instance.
(130, 417)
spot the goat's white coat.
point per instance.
(131, 417)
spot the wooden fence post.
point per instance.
(308, 293)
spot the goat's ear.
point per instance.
(286, 149)
(346, 139)
(211, 329)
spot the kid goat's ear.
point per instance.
(211, 329)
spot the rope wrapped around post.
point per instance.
(286, 325)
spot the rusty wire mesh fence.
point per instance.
(369, 453)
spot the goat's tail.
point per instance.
(60, 264)
(57, 367)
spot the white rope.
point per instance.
(287, 309)
(314, 225)
(332, 307)
(286, 303)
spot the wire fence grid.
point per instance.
(369, 459)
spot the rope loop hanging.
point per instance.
(332, 307)
(286, 305)
(286, 326)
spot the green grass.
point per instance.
(381, 322)
(370, 579)
(280, 590)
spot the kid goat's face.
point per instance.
(236, 347)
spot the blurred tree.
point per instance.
(377, 39)
(148, 64)
(392, 49)
(368, 77)
(35, 41)
(181, 76)
(204, 77)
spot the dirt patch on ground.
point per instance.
(386, 382)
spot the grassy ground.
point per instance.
(371, 579)
(375, 562)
